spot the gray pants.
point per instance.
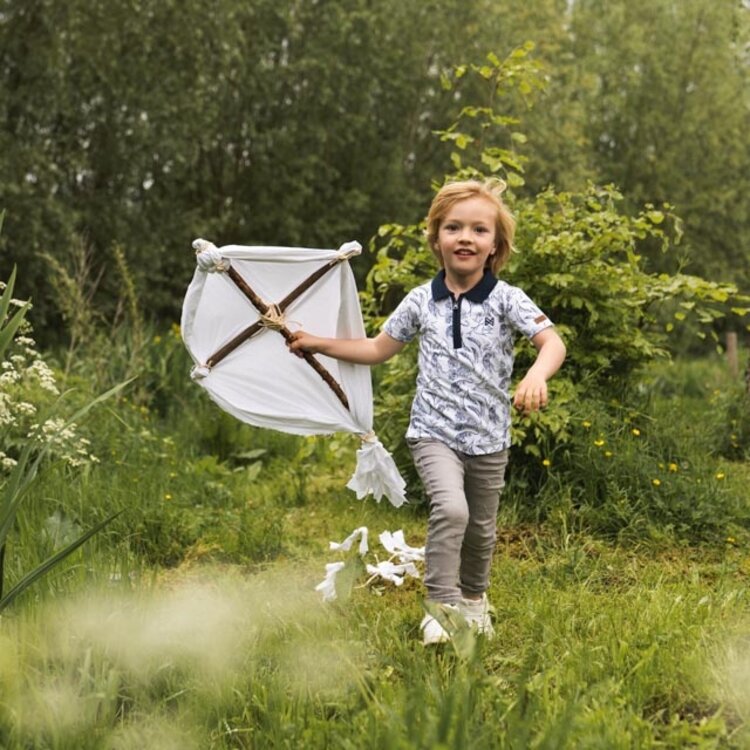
(464, 493)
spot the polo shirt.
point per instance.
(465, 359)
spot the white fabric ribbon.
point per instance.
(376, 473)
(396, 545)
(346, 545)
(327, 586)
(392, 572)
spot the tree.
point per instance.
(142, 124)
(654, 97)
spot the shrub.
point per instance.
(582, 260)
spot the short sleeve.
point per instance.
(404, 323)
(524, 315)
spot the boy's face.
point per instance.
(466, 239)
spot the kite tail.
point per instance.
(376, 473)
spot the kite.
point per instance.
(238, 316)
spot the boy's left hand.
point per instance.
(531, 394)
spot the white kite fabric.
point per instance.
(259, 381)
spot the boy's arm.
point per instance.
(531, 392)
(359, 351)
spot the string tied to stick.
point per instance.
(273, 318)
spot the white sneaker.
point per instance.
(477, 614)
(432, 631)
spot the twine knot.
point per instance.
(273, 318)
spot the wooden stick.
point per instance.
(303, 286)
(231, 345)
(263, 308)
(250, 331)
(733, 359)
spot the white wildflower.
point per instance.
(44, 375)
(6, 461)
(9, 377)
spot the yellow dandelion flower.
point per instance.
(546, 462)
(656, 482)
(636, 431)
(673, 467)
(661, 465)
(720, 475)
(731, 540)
(167, 496)
(586, 423)
(608, 454)
(599, 443)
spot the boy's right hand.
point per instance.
(302, 341)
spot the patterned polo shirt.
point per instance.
(465, 359)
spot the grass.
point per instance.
(596, 647)
(192, 622)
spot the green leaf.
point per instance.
(51, 562)
(9, 330)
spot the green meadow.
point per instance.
(192, 621)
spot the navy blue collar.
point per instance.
(478, 293)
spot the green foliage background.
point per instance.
(141, 124)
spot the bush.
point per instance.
(581, 259)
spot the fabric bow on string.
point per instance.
(235, 326)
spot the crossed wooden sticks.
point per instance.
(271, 317)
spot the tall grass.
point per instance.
(595, 648)
(192, 620)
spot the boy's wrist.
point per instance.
(537, 372)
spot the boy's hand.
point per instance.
(303, 342)
(531, 393)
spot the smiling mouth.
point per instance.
(465, 253)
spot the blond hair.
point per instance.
(491, 190)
